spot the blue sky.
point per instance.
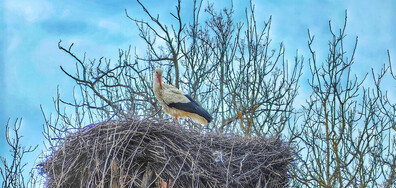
(31, 30)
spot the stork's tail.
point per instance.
(192, 107)
(200, 111)
(203, 113)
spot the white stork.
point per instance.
(177, 104)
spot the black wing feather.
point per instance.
(192, 107)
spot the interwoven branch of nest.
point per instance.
(143, 153)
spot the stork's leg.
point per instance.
(176, 120)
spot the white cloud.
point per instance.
(13, 42)
(27, 11)
(66, 13)
(111, 26)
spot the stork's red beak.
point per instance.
(159, 79)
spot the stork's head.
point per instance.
(158, 74)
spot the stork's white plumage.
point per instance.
(176, 103)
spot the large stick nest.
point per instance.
(147, 153)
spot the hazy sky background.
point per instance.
(30, 32)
